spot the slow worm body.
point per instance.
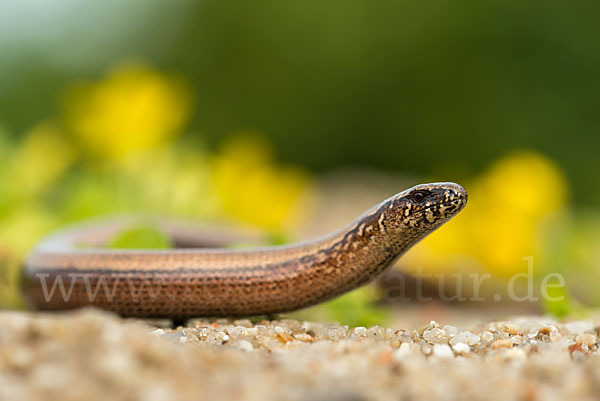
(181, 283)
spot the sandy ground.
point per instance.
(93, 355)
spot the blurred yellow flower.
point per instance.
(23, 226)
(252, 188)
(133, 108)
(179, 182)
(42, 157)
(502, 223)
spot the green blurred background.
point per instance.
(224, 109)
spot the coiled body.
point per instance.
(191, 282)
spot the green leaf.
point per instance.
(356, 308)
(141, 237)
(557, 303)
(561, 304)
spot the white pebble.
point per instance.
(450, 330)
(461, 348)
(401, 352)
(183, 339)
(442, 351)
(465, 337)
(435, 336)
(404, 349)
(360, 331)
(245, 345)
(158, 332)
(579, 327)
(375, 332)
(487, 337)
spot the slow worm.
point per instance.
(188, 282)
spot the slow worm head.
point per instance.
(189, 282)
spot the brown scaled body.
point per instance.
(182, 283)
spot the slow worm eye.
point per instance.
(418, 196)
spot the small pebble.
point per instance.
(435, 336)
(487, 337)
(579, 327)
(502, 343)
(465, 337)
(461, 348)
(307, 338)
(245, 345)
(586, 339)
(451, 331)
(512, 329)
(375, 332)
(284, 337)
(442, 351)
(89, 352)
(360, 331)
(402, 352)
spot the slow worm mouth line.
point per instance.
(439, 205)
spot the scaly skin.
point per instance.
(183, 283)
